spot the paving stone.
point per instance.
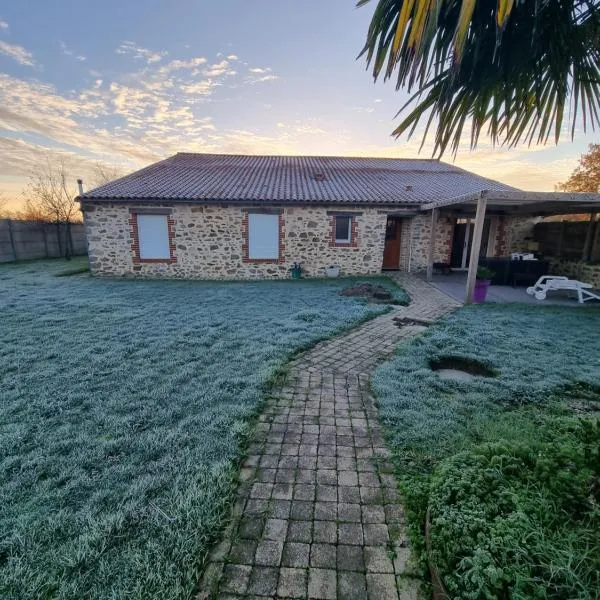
(264, 475)
(242, 552)
(371, 495)
(351, 586)
(292, 583)
(403, 563)
(322, 584)
(280, 509)
(349, 512)
(378, 560)
(251, 528)
(408, 588)
(325, 532)
(295, 554)
(382, 586)
(326, 477)
(327, 493)
(235, 578)
(376, 534)
(325, 511)
(347, 478)
(349, 494)
(283, 491)
(350, 558)
(350, 533)
(263, 581)
(302, 510)
(304, 491)
(299, 531)
(261, 490)
(275, 529)
(323, 555)
(285, 476)
(373, 513)
(268, 553)
(306, 476)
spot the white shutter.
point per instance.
(153, 236)
(263, 236)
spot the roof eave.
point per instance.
(246, 201)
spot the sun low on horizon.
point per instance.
(127, 84)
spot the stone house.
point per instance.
(210, 216)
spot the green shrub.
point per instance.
(520, 521)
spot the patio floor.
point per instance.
(454, 285)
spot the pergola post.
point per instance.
(589, 238)
(430, 254)
(475, 247)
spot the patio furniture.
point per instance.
(554, 283)
(515, 272)
(442, 268)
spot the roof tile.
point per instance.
(187, 177)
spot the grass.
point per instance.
(124, 410)
(76, 266)
(546, 361)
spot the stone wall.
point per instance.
(421, 234)
(518, 234)
(576, 270)
(209, 243)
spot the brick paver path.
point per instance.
(317, 513)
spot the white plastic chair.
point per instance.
(552, 283)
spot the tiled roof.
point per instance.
(201, 178)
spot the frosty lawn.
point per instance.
(500, 530)
(122, 407)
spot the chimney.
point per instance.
(80, 186)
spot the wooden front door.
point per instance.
(391, 250)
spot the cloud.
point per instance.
(68, 52)
(218, 69)
(3, 25)
(138, 52)
(263, 79)
(18, 53)
(258, 70)
(233, 57)
(177, 65)
(202, 88)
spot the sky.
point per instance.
(126, 83)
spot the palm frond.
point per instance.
(514, 67)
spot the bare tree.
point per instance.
(104, 173)
(51, 195)
(31, 212)
(4, 212)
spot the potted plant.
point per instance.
(332, 271)
(296, 270)
(483, 280)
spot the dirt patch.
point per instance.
(462, 365)
(372, 292)
(405, 321)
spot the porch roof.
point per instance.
(518, 203)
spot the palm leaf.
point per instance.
(515, 67)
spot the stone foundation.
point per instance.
(209, 243)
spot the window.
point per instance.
(263, 236)
(343, 230)
(153, 237)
